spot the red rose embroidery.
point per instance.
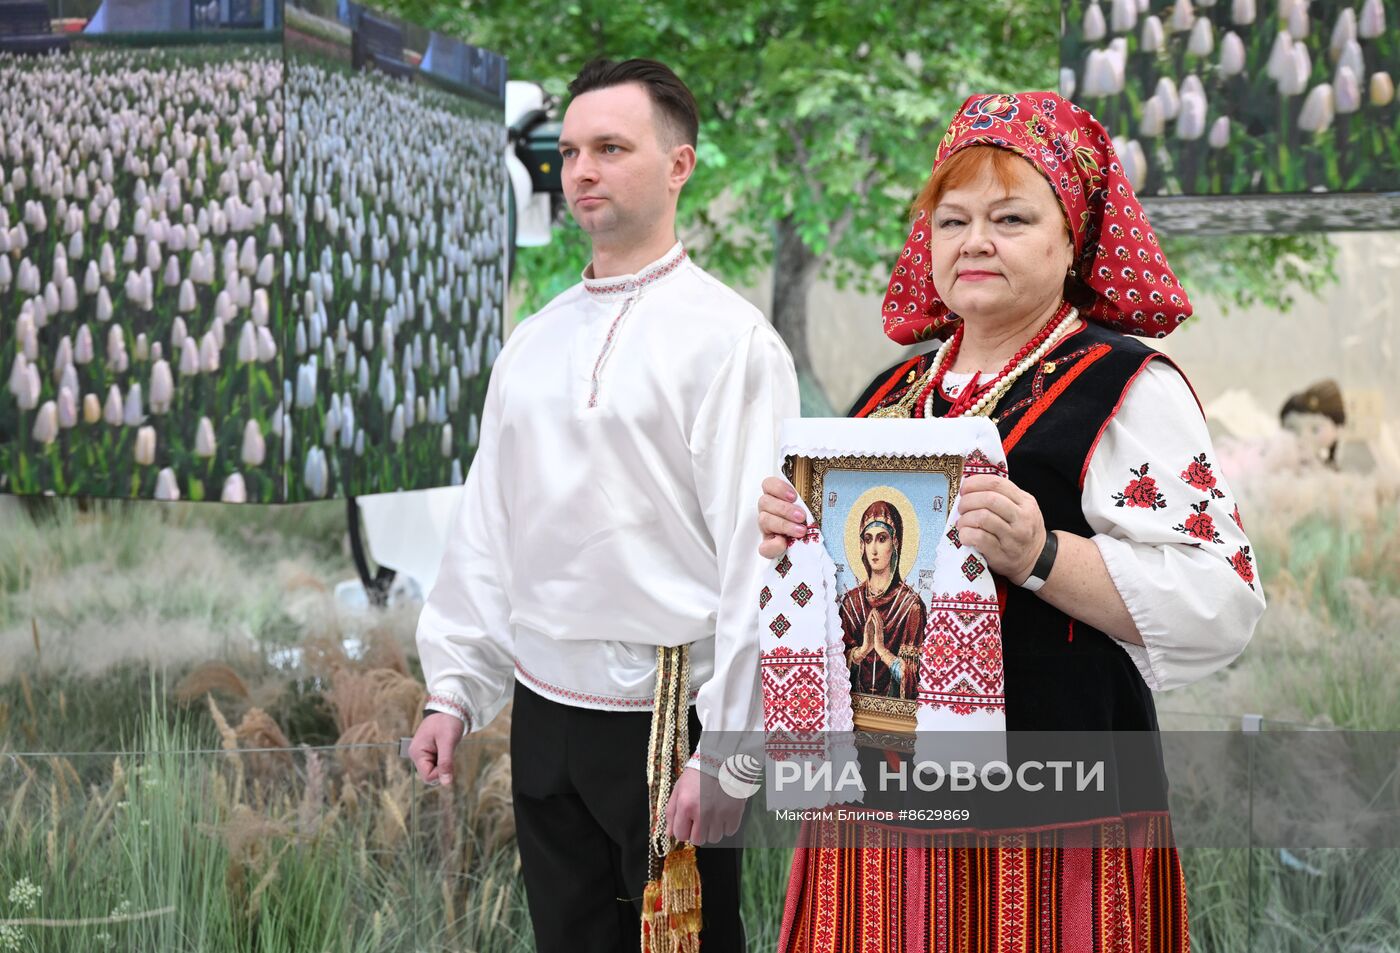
(1198, 473)
(1141, 492)
(1236, 517)
(1244, 566)
(1200, 524)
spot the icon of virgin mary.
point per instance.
(882, 618)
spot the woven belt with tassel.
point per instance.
(671, 902)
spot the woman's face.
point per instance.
(878, 548)
(998, 254)
(1315, 432)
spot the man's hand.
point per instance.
(433, 744)
(699, 811)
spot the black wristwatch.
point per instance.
(1043, 564)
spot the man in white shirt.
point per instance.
(609, 512)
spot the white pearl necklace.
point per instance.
(988, 401)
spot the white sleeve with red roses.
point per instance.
(1171, 534)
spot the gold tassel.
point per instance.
(656, 936)
(680, 899)
(671, 916)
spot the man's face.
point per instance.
(618, 163)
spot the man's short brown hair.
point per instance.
(672, 99)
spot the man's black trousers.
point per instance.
(579, 780)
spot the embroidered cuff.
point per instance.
(707, 764)
(450, 703)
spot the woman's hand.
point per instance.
(1003, 523)
(779, 518)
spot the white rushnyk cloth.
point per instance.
(961, 706)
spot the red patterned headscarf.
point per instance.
(1116, 251)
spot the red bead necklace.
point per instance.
(974, 389)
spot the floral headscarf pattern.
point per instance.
(1116, 252)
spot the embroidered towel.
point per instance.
(960, 701)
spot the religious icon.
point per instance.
(882, 618)
(882, 520)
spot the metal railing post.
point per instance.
(1251, 725)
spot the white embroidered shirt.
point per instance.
(1178, 555)
(610, 507)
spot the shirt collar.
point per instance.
(628, 284)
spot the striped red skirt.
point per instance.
(1111, 886)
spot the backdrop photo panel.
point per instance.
(248, 260)
(1287, 107)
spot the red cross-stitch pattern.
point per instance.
(972, 568)
(1244, 565)
(1199, 474)
(978, 462)
(794, 686)
(961, 667)
(1141, 491)
(1200, 524)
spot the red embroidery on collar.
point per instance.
(633, 283)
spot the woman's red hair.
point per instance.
(969, 165)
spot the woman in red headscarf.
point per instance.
(1121, 559)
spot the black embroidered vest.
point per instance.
(1060, 674)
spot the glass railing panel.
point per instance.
(168, 848)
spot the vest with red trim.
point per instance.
(1061, 675)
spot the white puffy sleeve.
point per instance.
(734, 445)
(464, 638)
(1170, 532)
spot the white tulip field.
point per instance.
(1229, 97)
(223, 278)
(396, 226)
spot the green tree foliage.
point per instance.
(1243, 270)
(819, 122)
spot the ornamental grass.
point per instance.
(273, 838)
